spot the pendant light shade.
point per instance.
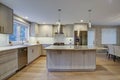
(89, 24)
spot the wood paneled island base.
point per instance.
(71, 58)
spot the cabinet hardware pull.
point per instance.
(3, 28)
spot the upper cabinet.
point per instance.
(68, 30)
(34, 29)
(41, 30)
(49, 30)
(45, 30)
(80, 27)
(6, 19)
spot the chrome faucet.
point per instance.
(22, 41)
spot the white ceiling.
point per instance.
(104, 12)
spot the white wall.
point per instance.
(4, 39)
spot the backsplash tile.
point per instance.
(51, 40)
(4, 39)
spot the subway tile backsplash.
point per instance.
(4, 40)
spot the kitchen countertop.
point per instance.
(73, 47)
(4, 48)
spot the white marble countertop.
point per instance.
(73, 47)
(4, 48)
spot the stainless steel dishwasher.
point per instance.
(22, 57)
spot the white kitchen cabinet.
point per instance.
(45, 30)
(80, 27)
(40, 50)
(68, 30)
(34, 29)
(6, 19)
(33, 53)
(41, 30)
(8, 63)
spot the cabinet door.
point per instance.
(34, 29)
(45, 30)
(33, 53)
(77, 60)
(36, 52)
(68, 30)
(53, 59)
(90, 60)
(30, 54)
(40, 49)
(6, 23)
(65, 60)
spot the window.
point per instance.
(20, 32)
(109, 36)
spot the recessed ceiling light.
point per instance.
(44, 22)
(26, 17)
(81, 20)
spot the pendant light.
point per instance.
(89, 23)
(59, 24)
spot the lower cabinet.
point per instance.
(65, 60)
(77, 60)
(8, 63)
(90, 60)
(53, 59)
(84, 60)
(33, 53)
(9, 60)
(59, 59)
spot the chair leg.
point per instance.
(109, 56)
(114, 58)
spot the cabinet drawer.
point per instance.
(8, 52)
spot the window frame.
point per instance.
(22, 23)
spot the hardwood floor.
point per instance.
(106, 70)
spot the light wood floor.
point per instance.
(106, 70)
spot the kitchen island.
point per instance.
(71, 58)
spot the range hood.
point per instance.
(59, 29)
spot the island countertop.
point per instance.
(74, 47)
